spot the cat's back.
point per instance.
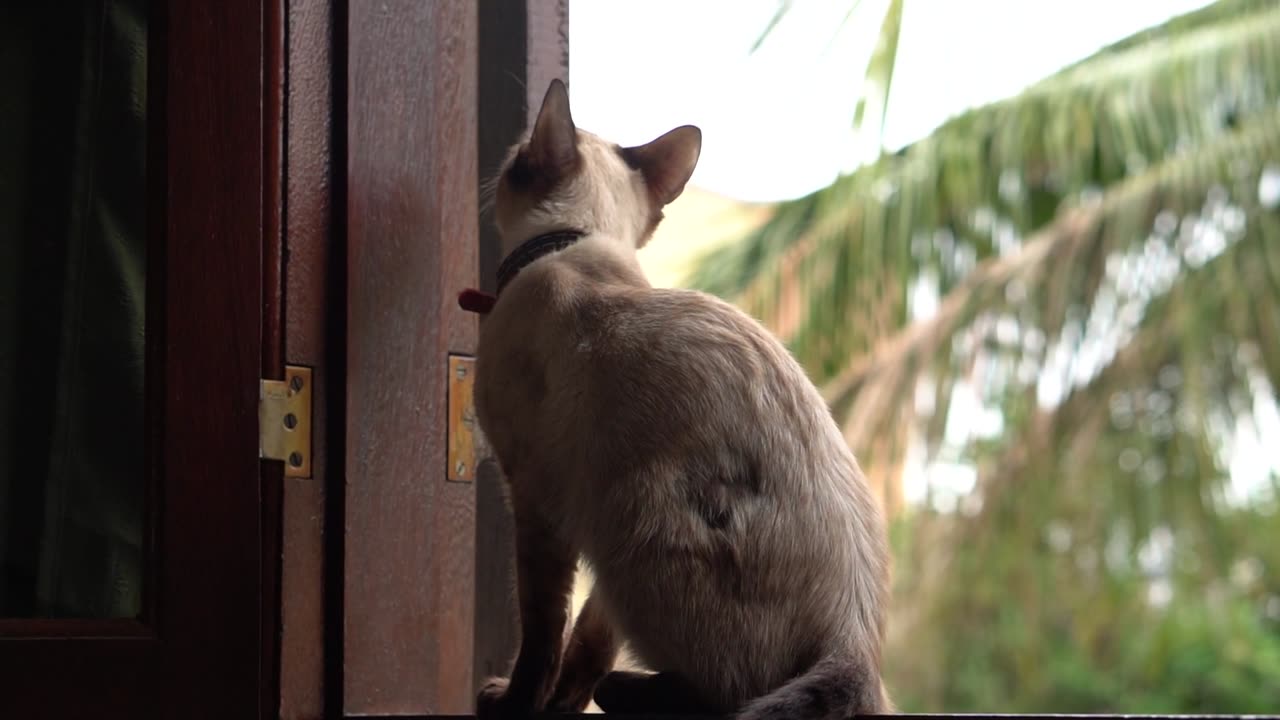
(685, 356)
(701, 417)
(722, 472)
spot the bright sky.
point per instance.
(777, 124)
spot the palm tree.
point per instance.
(1104, 251)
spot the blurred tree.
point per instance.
(1093, 267)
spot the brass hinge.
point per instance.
(464, 440)
(284, 421)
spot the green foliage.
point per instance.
(1105, 248)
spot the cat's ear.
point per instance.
(668, 162)
(553, 146)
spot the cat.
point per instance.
(670, 441)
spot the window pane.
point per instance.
(73, 99)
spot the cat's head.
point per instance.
(561, 177)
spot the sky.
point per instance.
(777, 124)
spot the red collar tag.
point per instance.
(476, 301)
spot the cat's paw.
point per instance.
(575, 686)
(573, 700)
(627, 692)
(493, 702)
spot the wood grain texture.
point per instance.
(272, 512)
(210, 527)
(524, 45)
(314, 303)
(411, 238)
(200, 655)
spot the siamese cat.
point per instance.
(671, 442)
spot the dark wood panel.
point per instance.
(524, 44)
(67, 678)
(411, 236)
(210, 527)
(314, 308)
(75, 628)
(199, 655)
(272, 512)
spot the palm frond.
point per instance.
(783, 8)
(879, 75)
(988, 178)
(1100, 229)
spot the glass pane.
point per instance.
(73, 99)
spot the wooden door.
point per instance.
(380, 218)
(135, 331)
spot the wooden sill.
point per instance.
(904, 716)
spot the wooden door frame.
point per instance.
(198, 649)
(380, 219)
(314, 292)
(411, 210)
(296, 109)
(391, 117)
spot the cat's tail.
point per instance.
(836, 688)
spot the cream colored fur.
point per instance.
(673, 443)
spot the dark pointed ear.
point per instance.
(553, 146)
(668, 162)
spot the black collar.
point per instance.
(533, 249)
